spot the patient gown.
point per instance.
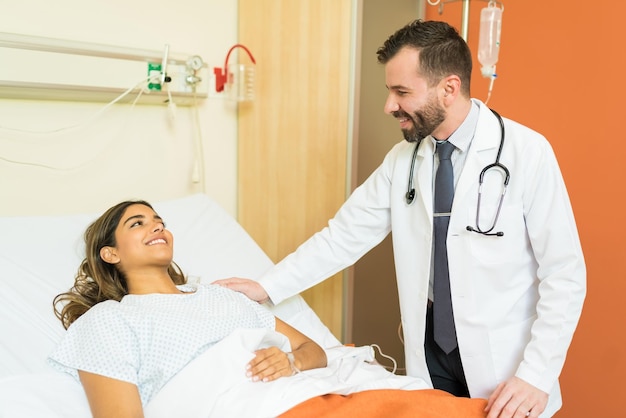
(147, 339)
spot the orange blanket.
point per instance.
(427, 403)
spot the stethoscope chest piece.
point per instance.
(410, 193)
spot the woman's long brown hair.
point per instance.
(97, 280)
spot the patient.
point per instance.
(132, 321)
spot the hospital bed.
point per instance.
(39, 257)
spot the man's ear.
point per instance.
(109, 255)
(451, 86)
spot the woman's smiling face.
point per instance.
(141, 240)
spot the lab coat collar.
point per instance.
(481, 153)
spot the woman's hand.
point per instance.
(269, 364)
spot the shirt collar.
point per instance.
(462, 137)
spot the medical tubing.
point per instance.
(231, 50)
(493, 79)
(340, 372)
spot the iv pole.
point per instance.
(464, 29)
(464, 16)
(465, 19)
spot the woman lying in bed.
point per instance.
(132, 322)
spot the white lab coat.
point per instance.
(517, 298)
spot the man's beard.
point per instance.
(425, 121)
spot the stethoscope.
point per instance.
(410, 194)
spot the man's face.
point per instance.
(410, 100)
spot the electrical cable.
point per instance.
(140, 85)
(393, 360)
(198, 174)
(171, 105)
(143, 83)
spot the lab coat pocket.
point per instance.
(507, 347)
(497, 249)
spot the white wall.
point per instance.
(126, 152)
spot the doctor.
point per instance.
(516, 294)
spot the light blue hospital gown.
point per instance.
(147, 339)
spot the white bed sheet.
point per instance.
(196, 393)
(39, 257)
(214, 384)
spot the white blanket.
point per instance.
(215, 385)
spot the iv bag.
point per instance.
(489, 38)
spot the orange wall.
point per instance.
(561, 72)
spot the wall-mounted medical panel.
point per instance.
(38, 68)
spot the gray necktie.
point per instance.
(445, 333)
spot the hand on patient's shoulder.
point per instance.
(248, 287)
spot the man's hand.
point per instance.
(248, 287)
(515, 398)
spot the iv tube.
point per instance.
(489, 38)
